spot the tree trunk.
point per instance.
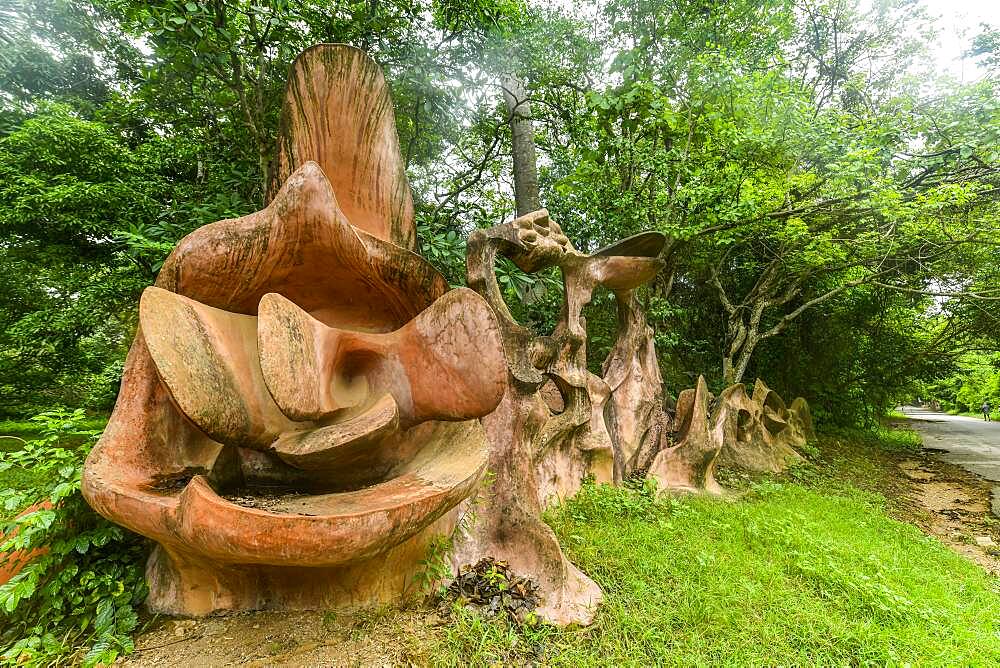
(264, 155)
(728, 372)
(523, 145)
(737, 359)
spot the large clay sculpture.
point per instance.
(297, 419)
(549, 431)
(306, 406)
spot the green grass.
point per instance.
(975, 414)
(806, 572)
(29, 429)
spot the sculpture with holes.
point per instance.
(549, 431)
(307, 406)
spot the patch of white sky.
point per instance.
(956, 23)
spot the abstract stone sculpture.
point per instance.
(800, 425)
(297, 419)
(763, 433)
(637, 421)
(755, 433)
(338, 113)
(688, 465)
(549, 431)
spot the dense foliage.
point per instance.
(83, 576)
(975, 381)
(831, 203)
(798, 179)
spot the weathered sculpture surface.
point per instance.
(297, 414)
(300, 409)
(688, 462)
(549, 431)
(753, 432)
(764, 432)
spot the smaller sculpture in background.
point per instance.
(549, 432)
(687, 461)
(764, 433)
(734, 430)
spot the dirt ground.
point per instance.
(272, 639)
(942, 499)
(953, 505)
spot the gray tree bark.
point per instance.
(523, 145)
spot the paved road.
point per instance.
(973, 444)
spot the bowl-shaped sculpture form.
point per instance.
(297, 418)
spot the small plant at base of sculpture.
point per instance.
(81, 577)
(435, 568)
(492, 588)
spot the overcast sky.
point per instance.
(958, 22)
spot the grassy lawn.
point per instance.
(14, 432)
(975, 414)
(809, 570)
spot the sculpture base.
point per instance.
(518, 536)
(189, 585)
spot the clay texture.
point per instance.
(306, 406)
(686, 462)
(549, 431)
(297, 419)
(763, 434)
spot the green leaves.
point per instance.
(446, 251)
(20, 587)
(84, 577)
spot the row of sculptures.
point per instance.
(307, 406)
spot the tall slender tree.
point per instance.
(522, 139)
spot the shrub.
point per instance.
(76, 595)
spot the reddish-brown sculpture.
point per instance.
(686, 463)
(338, 113)
(755, 433)
(763, 434)
(637, 421)
(298, 417)
(549, 431)
(678, 452)
(297, 414)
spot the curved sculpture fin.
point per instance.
(338, 113)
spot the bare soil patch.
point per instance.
(286, 639)
(948, 502)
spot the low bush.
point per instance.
(74, 598)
